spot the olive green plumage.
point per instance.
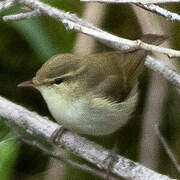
(114, 72)
(92, 94)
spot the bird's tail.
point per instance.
(154, 39)
(134, 65)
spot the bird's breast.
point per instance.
(88, 115)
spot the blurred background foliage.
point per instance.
(25, 45)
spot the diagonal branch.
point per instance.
(133, 1)
(169, 74)
(36, 125)
(147, 5)
(21, 16)
(160, 11)
(117, 42)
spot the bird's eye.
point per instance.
(58, 80)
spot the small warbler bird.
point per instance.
(92, 94)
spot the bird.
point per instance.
(92, 94)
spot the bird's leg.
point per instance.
(113, 157)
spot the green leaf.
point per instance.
(36, 37)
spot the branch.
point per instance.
(36, 125)
(22, 16)
(133, 1)
(147, 5)
(72, 22)
(160, 11)
(117, 42)
(169, 74)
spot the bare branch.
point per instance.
(133, 1)
(117, 42)
(55, 13)
(38, 126)
(160, 11)
(72, 22)
(147, 5)
(167, 148)
(22, 15)
(169, 74)
(6, 4)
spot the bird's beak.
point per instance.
(26, 84)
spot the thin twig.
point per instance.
(160, 11)
(133, 1)
(69, 162)
(169, 74)
(55, 13)
(36, 125)
(21, 16)
(167, 148)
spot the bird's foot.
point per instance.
(112, 158)
(56, 136)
